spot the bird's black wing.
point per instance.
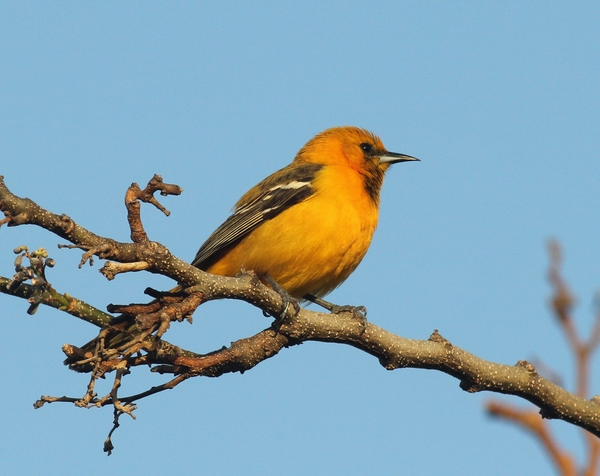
(282, 190)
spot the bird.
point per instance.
(305, 228)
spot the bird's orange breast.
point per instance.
(312, 247)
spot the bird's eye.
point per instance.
(366, 147)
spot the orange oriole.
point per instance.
(308, 225)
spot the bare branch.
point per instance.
(394, 352)
(135, 338)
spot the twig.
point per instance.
(530, 420)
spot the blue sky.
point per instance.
(499, 101)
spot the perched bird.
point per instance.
(307, 226)
(303, 229)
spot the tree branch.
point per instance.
(135, 338)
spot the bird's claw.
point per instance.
(358, 312)
(291, 306)
(289, 302)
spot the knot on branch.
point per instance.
(437, 337)
(393, 362)
(14, 220)
(471, 386)
(527, 366)
(67, 224)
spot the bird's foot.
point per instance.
(358, 312)
(291, 306)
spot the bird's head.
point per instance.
(356, 148)
(350, 146)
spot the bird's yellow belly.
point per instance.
(303, 251)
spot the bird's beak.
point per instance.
(393, 157)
